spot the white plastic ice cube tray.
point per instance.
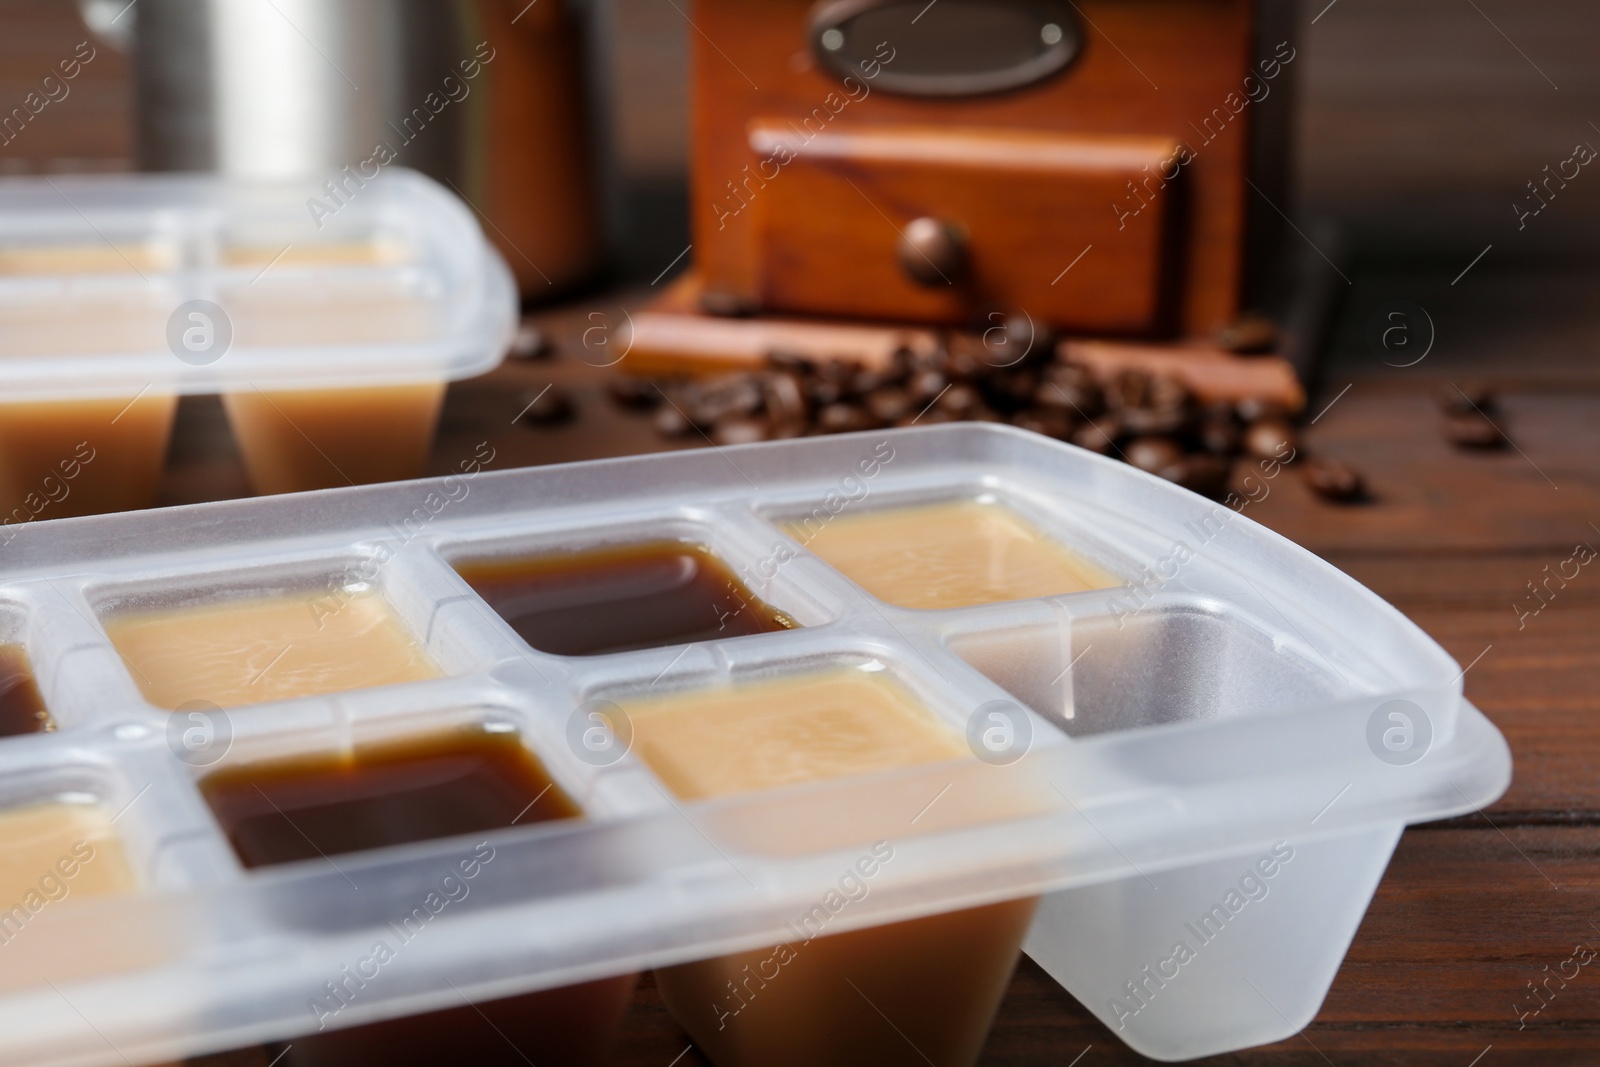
(306, 308)
(1177, 743)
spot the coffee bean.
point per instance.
(712, 401)
(1069, 374)
(822, 392)
(740, 430)
(1473, 430)
(925, 385)
(1051, 422)
(890, 404)
(844, 418)
(1066, 373)
(1255, 408)
(1093, 439)
(1465, 398)
(1200, 473)
(792, 363)
(1250, 333)
(1152, 454)
(932, 358)
(530, 343)
(1072, 388)
(842, 371)
(1333, 480)
(1219, 436)
(1020, 330)
(1021, 341)
(630, 392)
(1128, 389)
(548, 407)
(672, 422)
(1154, 404)
(960, 401)
(1050, 395)
(1011, 391)
(1154, 420)
(784, 397)
(931, 417)
(865, 382)
(964, 364)
(1167, 392)
(1270, 439)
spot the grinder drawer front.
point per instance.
(942, 224)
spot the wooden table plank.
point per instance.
(1430, 498)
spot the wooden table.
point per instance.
(1472, 909)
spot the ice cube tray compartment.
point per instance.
(241, 227)
(46, 317)
(1178, 660)
(99, 264)
(800, 519)
(54, 769)
(1188, 663)
(1110, 776)
(813, 596)
(418, 580)
(734, 533)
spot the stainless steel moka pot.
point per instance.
(486, 96)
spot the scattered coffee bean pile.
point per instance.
(1152, 421)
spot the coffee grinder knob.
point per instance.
(933, 252)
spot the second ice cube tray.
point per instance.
(1205, 752)
(328, 315)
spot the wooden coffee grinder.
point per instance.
(1113, 171)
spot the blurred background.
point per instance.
(1420, 122)
(1416, 131)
